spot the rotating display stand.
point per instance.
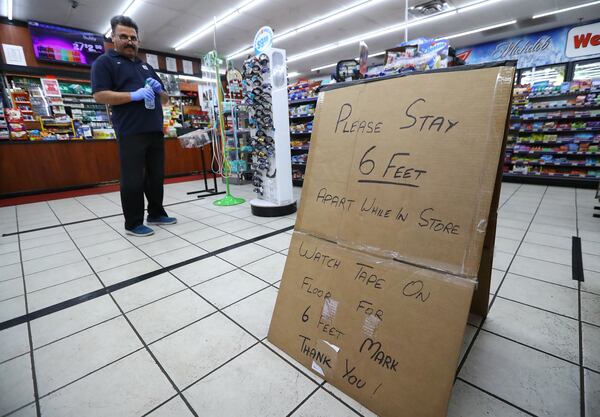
(265, 84)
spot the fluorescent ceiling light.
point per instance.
(9, 7)
(333, 65)
(385, 31)
(469, 32)
(476, 5)
(311, 24)
(368, 35)
(218, 21)
(128, 11)
(579, 6)
(323, 67)
(293, 74)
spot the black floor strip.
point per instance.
(99, 218)
(29, 335)
(577, 260)
(124, 284)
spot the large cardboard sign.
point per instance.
(397, 198)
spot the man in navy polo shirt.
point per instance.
(119, 78)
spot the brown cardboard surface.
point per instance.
(443, 167)
(409, 322)
(375, 293)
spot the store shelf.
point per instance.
(303, 132)
(558, 142)
(568, 94)
(553, 179)
(303, 101)
(551, 108)
(550, 175)
(536, 119)
(299, 164)
(302, 116)
(553, 164)
(553, 153)
(559, 130)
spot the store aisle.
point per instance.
(167, 340)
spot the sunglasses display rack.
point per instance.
(266, 98)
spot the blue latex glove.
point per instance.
(154, 84)
(142, 94)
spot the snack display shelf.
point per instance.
(558, 130)
(557, 142)
(536, 119)
(560, 94)
(575, 153)
(303, 100)
(549, 108)
(551, 175)
(554, 164)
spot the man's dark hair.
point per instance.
(123, 21)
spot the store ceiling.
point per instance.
(164, 23)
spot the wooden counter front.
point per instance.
(30, 167)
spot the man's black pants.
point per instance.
(142, 173)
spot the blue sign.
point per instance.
(263, 40)
(532, 50)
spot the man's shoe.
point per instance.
(140, 230)
(161, 221)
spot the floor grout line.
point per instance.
(596, 371)
(466, 355)
(537, 259)
(582, 410)
(496, 396)
(340, 400)
(535, 307)
(301, 403)
(541, 280)
(510, 196)
(529, 346)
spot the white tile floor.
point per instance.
(192, 340)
